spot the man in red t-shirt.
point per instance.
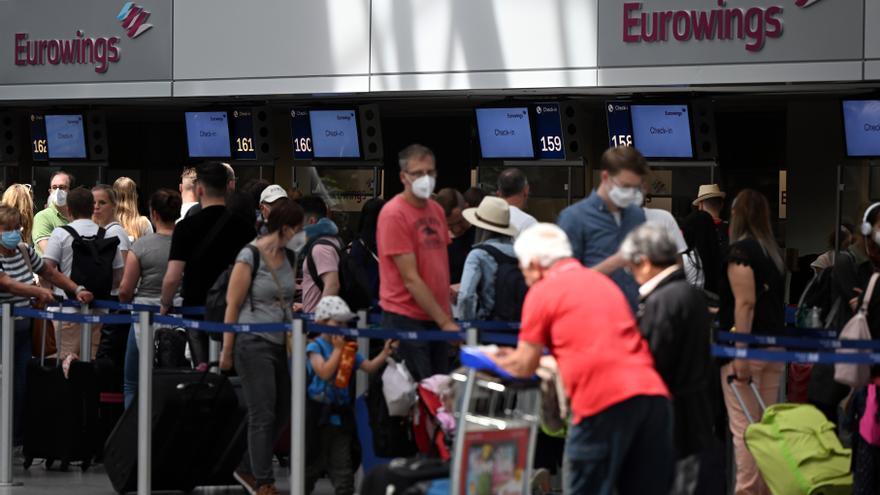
(412, 237)
(620, 438)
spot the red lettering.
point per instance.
(113, 49)
(665, 19)
(705, 24)
(772, 21)
(681, 15)
(54, 51)
(754, 27)
(21, 48)
(630, 22)
(66, 52)
(101, 55)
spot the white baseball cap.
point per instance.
(333, 308)
(272, 194)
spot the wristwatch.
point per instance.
(79, 288)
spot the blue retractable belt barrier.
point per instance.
(499, 338)
(211, 326)
(376, 319)
(797, 342)
(795, 357)
(383, 334)
(73, 317)
(118, 306)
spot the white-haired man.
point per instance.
(620, 439)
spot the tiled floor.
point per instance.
(38, 481)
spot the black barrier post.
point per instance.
(298, 409)
(6, 397)
(145, 404)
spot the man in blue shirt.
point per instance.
(597, 225)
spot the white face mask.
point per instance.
(58, 197)
(624, 197)
(424, 186)
(297, 242)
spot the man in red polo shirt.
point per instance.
(620, 439)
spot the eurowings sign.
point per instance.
(652, 33)
(753, 26)
(82, 48)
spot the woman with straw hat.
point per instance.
(493, 246)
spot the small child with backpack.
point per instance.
(332, 443)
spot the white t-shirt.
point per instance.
(668, 222)
(184, 208)
(60, 250)
(520, 219)
(116, 229)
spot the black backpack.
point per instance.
(510, 286)
(93, 261)
(354, 286)
(215, 302)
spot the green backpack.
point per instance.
(798, 452)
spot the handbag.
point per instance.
(856, 375)
(869, 424)
(398, 387)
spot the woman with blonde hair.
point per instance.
(132, 221)
(19, 197)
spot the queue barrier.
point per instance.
(795, 356)
(797, 342)
(147, 316)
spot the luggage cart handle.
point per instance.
(731, 379)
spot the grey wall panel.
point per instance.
(219, 39)
(482, 35)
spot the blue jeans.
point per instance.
(625, 449)
(130, 369)
(21, 355)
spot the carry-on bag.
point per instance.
(401, 474)
(197, 434)
(61, 412)
(796, 448)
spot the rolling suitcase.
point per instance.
(796, 448)
(198, 434)
(61, 413)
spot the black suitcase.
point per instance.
(61, 414)
(403, 474)
(197, 434)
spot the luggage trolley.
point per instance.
(497, 428)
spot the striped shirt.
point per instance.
(17, 268)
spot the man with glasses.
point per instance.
(56, 213)
(412, 236)
(597, 225)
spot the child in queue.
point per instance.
(332, 361)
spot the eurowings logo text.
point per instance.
(753, 26)
(134, 19)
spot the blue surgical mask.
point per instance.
(10, 239)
